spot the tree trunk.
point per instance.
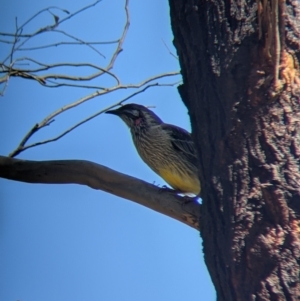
(240, 67)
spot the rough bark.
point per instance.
(240, 67)
(103, 178)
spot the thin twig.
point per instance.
(45, 80)
(14, 43)
(6, 41)
(36, 127)
(122, 39)
(78, 40)
(47, 9)
(55, 85)
(47, 28)
(4, 80)
(6, 34)
(44, 77)
(170, 52)
(79, 11)
(62, 43)
(106, 91)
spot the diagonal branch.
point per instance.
(50, 118)
(102, 178)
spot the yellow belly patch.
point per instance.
(184, 183)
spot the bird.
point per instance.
(167, 149)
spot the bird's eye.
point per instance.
(135, 113)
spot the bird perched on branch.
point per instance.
(167, 149)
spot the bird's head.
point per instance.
(136, 116)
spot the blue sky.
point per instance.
(69, 242)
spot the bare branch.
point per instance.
(60, 44)
(4, 80)
(105, 91)
(18, 33)
(79, 11)
(45, 80)
(16, 39)
(79, 41)
(49, 120)
(6, 41)
(27, 73)
(122, 39)
(170, 52)
(47, 9)
(102, 178)
(55, 80)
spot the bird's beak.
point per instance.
(114, 112)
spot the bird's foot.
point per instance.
(186, 198)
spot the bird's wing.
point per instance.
(181, 140)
